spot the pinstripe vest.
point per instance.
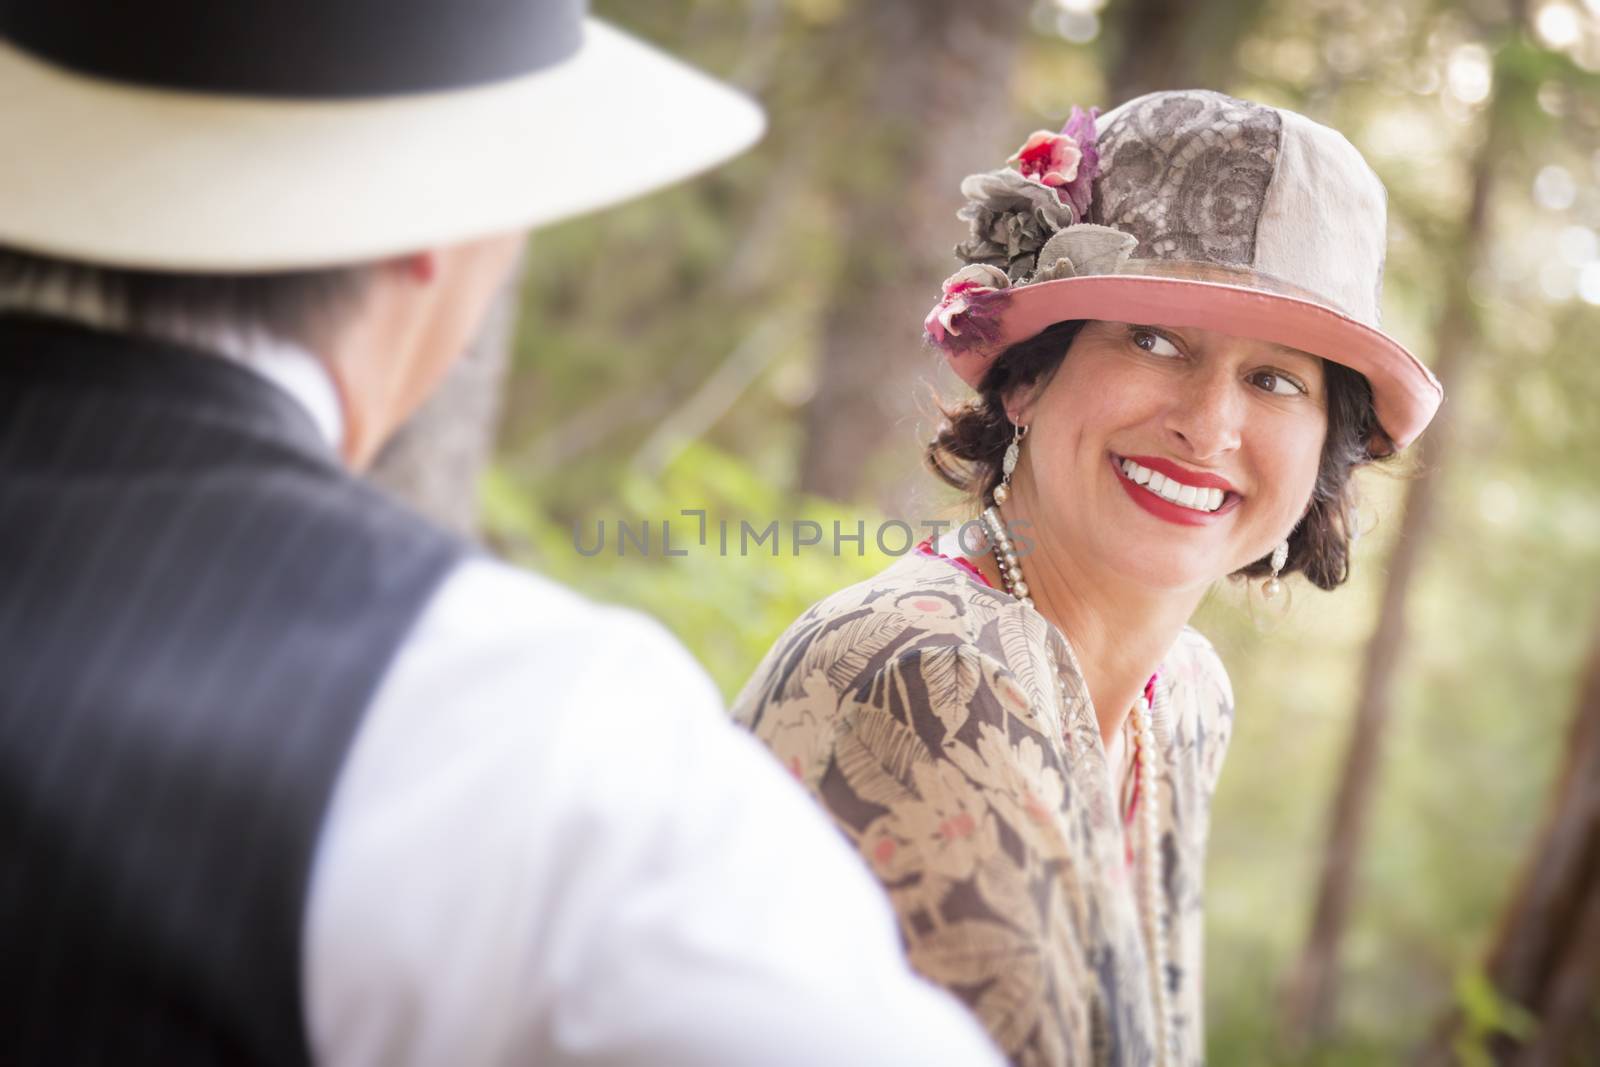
(196, 606)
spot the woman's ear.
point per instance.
(1019, 403)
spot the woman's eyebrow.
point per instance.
(1186, 335)
(1278, 351)
(1307, 362)
(1295, 353)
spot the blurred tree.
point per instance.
(1175, 44)
(1546, 956)
(929, 103)
(1311, 991)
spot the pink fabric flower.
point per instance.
(1066, 162)
(1048, 158)
(963, 292)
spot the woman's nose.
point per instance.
(1206, 415)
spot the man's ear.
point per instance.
(420, 267)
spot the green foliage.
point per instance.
(1486, 1013)
(726, 604)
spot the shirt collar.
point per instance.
(287, 365)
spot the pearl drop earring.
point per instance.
(1280, 555)
(1002, 492)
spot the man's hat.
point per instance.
(1195, 209)
(252, 135)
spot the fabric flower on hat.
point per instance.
(1067, 162)
(1017, 220)
(1082, 250)
(960, 318)
(1012, 213)
(1048, 158)
(1078, 187)
(1011, 219)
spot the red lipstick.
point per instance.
(1166, 509)
(1184, 474)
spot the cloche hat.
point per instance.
(1187, 208)
(197, 135)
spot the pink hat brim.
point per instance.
(1405, 393)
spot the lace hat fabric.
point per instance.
(1187, 208)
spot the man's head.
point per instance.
(419, 313)
(326, 171)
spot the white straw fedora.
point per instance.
(246, 135)
(1194, 209)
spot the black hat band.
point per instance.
(311, 49)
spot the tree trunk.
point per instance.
(1174, 44)
(935, 107)
(1546, 953)
(435, 461)
(1310, 994)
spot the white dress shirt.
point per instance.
(548, 845)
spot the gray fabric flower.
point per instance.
(1012, 218)
(1082, 250)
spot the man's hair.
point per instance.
(303, 306)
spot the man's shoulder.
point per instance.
(548, 812)
(511, 623)
(519, 707)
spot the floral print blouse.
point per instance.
(921, 708)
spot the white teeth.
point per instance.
(1189, 496)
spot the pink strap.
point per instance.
(926, 548)
(1138, 756)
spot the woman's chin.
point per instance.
(1167, 571)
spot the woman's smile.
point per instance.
(1174, 493)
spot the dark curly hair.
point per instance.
(967, 449)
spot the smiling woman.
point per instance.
(1172, 330)
(970, 446)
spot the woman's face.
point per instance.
(1135, 415)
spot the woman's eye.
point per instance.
(1154, 343)
(1277, 384)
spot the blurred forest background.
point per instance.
(1405, 854)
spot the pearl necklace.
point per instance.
(1142, 715)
